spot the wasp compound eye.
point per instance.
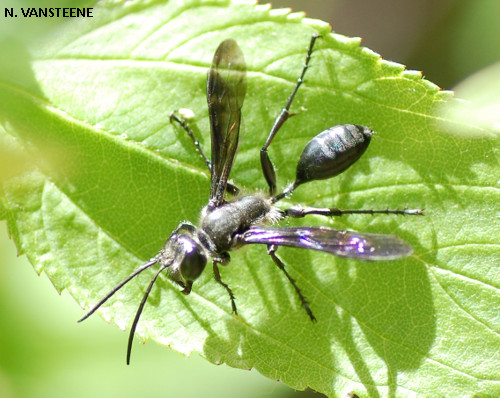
(190, 259)
(194, 261)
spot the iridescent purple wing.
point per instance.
(349, 244)
(226, 88)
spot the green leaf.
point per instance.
(102, 177)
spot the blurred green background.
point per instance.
(45, 353)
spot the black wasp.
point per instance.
(228, 224)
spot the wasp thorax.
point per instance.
(331, 152)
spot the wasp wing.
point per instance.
(226, 87)
(349, 244)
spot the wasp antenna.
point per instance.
(119, 286)
(139, 311)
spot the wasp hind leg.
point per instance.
(265, 161)
(299, 211)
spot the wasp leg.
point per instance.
(271, 250)
(299, 212)
(225, 285)
(231, 188)
(265, 161)
(190, 133)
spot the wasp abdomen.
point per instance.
(332, 151)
